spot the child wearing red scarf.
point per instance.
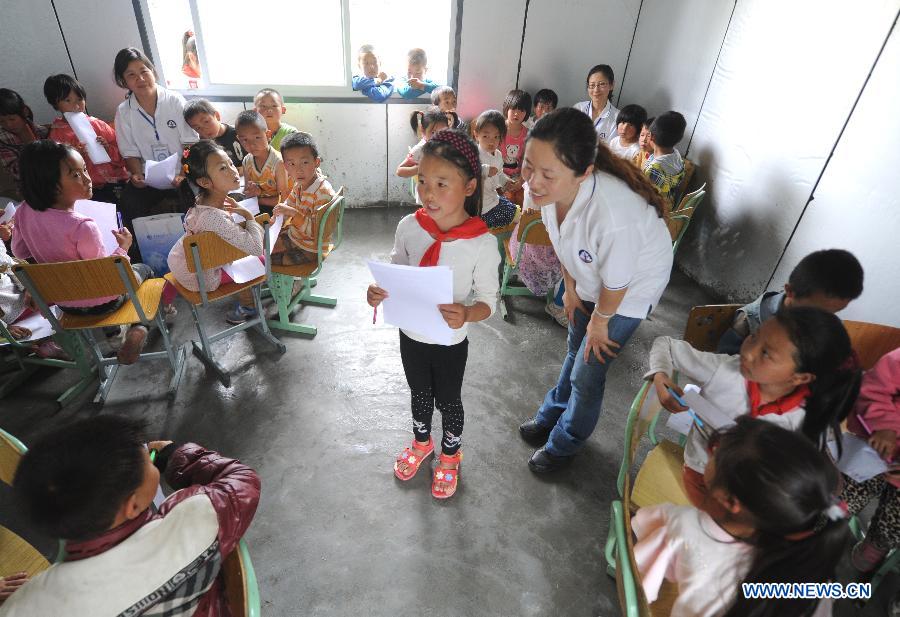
(445, 231)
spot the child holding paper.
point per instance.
(67, 96)
(446, 231)
(797, 371)
(263, 169)
(876, 418)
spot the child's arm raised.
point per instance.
(408, 168)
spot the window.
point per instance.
(305, 48)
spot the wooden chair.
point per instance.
(207, 250)
(871, 341)
(503, 233)
(682, 187)
(241, 588)
(680, 218)
(16, 555)
(531, 231)
(71, 281)
(330, 226)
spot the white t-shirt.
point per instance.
(605, 124)
(139, 138)
(474, 263)
(612, 238)
(623, 151)
(490, 184)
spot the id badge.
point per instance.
(160, 152)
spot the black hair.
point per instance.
(574, 140)
(668, 129)
(75, 478)
(788, 490)
(124, 58)
(197, 106)
(193, 166)
(299, 139)
(268, 92)
(635, 115)
(39, 173)
(491, 117)
(517, 99)
(12, 104)
(417, 55)
(440, 90)
(648, 122)
(250, 117)
(420, 120)
(545, 95)
(58, 87)
(366, 49)
(607, 72)
(833, 272)
(823, 349)
(451, 154)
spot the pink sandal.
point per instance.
(450, 476)
(413, 457)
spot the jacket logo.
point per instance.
(170, 124)
(584, 256)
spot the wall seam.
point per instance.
(522, 43)
(142, 30)
(63, 34)
(637, 20)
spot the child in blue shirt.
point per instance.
(415, 83)
(373, 83)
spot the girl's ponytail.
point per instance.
(415, 121)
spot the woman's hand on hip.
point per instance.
(571, 302)
(597, 339)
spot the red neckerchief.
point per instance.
(83, 549)
(779, 406)
(472, 228)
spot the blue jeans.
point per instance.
(573, 406)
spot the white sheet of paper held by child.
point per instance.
(250, 204)
(104, 215)
(858, 459)
(8, 213)
(86, 134)
(161, 174)
(39, 326)
(414, 294)
(250, 267)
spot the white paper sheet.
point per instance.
(8, 213)
(104, 215)
(85, 133)
(250, 267)
(160, 175)
(712, 417)
(39, 325)
(858, 459)
(251, 204)
(414, 295)
(681, 422)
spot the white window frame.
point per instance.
(291, 93)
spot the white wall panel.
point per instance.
(776, 104)
(691, 33)
(856, 205)
(565, 38)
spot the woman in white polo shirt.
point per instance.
(600, 82)
(605, 221)
(150, 126)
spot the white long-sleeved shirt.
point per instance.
(490, 184)
(474, 263)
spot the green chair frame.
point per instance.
(685, 212)
(507, 289)
(281, 286)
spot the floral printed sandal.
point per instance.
(446, 479)
(413, 458)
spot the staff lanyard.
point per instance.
(151, 122)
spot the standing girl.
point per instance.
(600, 82)
(604, 219)
(516, 109)
(445, 231)
(778, 521)
(489, 130)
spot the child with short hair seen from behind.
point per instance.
(304, 207)
(446, 231)
(777, 520)
(263, 169)
(516, 109)
(828, 279)
(205, 119)
(665, 167)
(372, 81)
(489, 129)
(270, 105)
(629, 122)
(65, 94)
(416, 84)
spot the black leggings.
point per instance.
(434, 374)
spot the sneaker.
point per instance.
(49, 350)
(135, 339)
(866, 557)
(239, 314)
(558, 313)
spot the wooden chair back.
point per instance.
(214, 251)
(241, 588)
(331, 217)
(532, 230)
(706, 325)
(71, 281)
(871, 341)
(11, 452)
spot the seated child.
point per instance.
(665, 168)
(827, 279)
(65, 94)
(796, 371)
(876, 418)
(205, 119)
(629, 122)
(270, 105)
(373, 82)
(545, 101)
(298, 241)
(489, 129)
(516, 109)
(425, 124)
(777, 521)
(92, 482)
(416, 84)
(538, 266)
(263, 169)
(48, 230)
(444, 97)
(645, 148)
(212, 176)
(17, 129)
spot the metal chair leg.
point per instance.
(176, 356)
(204, 353)
(262, 325)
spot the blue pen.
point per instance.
(119, 218)
(683, 404)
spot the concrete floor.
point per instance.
(335, 533)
